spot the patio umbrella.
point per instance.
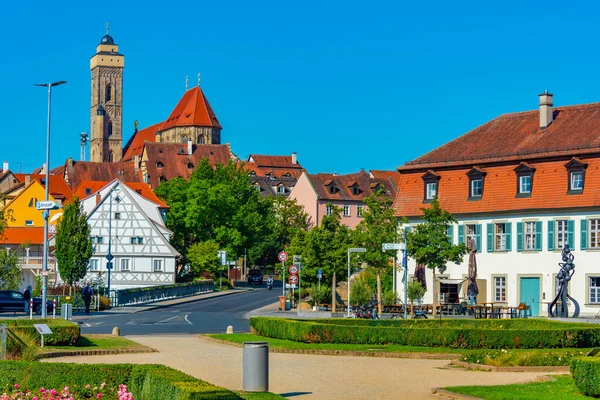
(472, 289)
(420, 275)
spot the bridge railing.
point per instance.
(155, 293)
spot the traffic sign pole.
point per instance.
(283, 278)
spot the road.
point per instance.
(203, 316)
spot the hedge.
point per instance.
(430, 333)
(146, 382)
(586, 374)
(64, 333)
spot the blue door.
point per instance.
(530, 294)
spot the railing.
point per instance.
(156, 293)
(35, 262)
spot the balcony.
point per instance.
(36, 262)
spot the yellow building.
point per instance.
(22, 208)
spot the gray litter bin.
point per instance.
(66, 311)
(256, 367)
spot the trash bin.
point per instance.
(256, 367)
(288, 305)
(66, 311)
(282, 303)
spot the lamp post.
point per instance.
(352, 250)
(46, 213)
(109, 256)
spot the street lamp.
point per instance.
(109, 256)
(352, 250)
(46, 213)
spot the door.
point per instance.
(530, 294)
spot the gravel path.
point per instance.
(307, 376)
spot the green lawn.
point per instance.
(562, 388)
(97, 342)
(260, 396)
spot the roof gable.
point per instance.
(192, 110)
(135, 145)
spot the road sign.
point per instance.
(46, 205)
(282, 256)
(293, 279)
(52, 228)
(293, 269)
(393, 246)
(222, 255)
(288, 286)
(110, 257)
(296, 258)
(109, 265)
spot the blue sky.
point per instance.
(345, 84)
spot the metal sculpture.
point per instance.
(567, 269)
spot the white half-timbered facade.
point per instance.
(133, 228)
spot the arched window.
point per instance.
(200, 139)
(111, 156)
(108, 93)
(110, 129)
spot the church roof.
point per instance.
(135, 146)
(192, 110)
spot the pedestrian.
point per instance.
(27, 297)
(87, 294)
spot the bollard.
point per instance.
(31, 308)
(256, 367)
(54, 308)
(67, 311)
(229, 329)
(116, 331)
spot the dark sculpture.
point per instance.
(567, 269)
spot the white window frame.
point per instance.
(579, 180)
(500, 237)
(126, 261)
(594, 295)
(479, 187)
(594, 234)
(499, 289)
(28, 222)
(93, 267)
(561, 232)
(529, 235)
(430, 190)
(470, 234)
(522, 187)
(359, 211)
(160, 265)
(346, 210)
(281, 189)
(328, 210)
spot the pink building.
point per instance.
(315, 191)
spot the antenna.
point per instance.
(83, 139)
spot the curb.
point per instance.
(414, 356)
(56, 354)
(492, 368)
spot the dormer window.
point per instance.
(476, 178)
(159, 164)
(281, 189)
(524, 179)
(252, 173)
(287, 175)
(331, 188)
(576, 175)
(431, 181)
(88, 191)
(375, 186)
(190, 166)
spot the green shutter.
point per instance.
(538, 235)
(407, 229)
(519, 236)
(550, 235)
(490, 237)
(478, 237)
(584, 237)
(450, 233)
(571, 234)
(508, 229)
(461, 234)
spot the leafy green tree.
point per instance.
(360, 291)
(379, 225)
(289, 219)
(203, 258)
(414, 291)
(10, 274)
(429, 245)
(73, 243)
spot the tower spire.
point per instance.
(198, 79)
(186, 83)
(107, 27)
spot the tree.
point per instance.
(360, 291)
(203, 258)
(289, 219)
(414, 291)
(428, 243)
(10, 274)
(73, 243)
(379, 225)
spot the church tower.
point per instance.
(106, 141)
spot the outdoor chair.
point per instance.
(523, 310)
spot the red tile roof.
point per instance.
(135, 146)
(192, 110)
(20, 235)
(264, 161)
(58, 187)
(549, 189)
(392, 176)
(88, 188)
(176, 162)
(320, 183)
(517, 136)
(79, 171)
(251, 167)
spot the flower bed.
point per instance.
(467, 334)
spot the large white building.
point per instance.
(133, 227)
(521, 186)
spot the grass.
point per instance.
(523, 357)
(563, 388)
(260, 396)
(97, 342)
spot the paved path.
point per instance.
(306, 376)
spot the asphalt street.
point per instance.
(203, 316)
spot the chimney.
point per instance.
(98, 198)
(69, 162)
(546, 114)
(43, 170)
(294, 158)
(136, 162)
(5, 166)
(189, 147)
(27, 179)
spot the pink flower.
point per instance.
(87, 386)
(99, 396)
(16, 386)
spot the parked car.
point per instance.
(11, 300)
(255, 277)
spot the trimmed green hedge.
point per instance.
(146, 382)
(64, 333)
(586, 374)
(453, 334)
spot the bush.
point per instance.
(360, 291)
(104, 303)
(64, 333)
(318, 294)
(586, 374)
(522, 358)
(467, 334)
(389, 298)
(225, 284)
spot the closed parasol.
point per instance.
(420, 275)
(472, 289)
